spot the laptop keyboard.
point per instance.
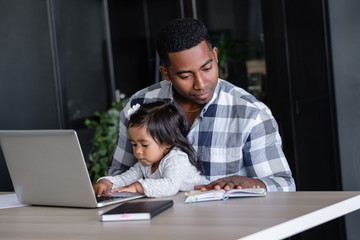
(116, 196)
(105, 198)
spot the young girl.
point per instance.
(167, 163)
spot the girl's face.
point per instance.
(145, 149)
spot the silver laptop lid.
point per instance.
(47, 167)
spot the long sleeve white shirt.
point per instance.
(175, 173)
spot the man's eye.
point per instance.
(207, 69)
(185, 77)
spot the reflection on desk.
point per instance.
(276, 216)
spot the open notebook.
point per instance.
(214, 195)
(47, 167)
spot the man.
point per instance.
(235, 135)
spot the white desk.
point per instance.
(276, 216)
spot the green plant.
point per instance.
(105, 125)
(229, 55)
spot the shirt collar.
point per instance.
(216, 93)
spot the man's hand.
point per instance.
(102, 187)
(228, 183)
(132, 188)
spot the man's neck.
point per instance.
(190, 109)
(185, 104)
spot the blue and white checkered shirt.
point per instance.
(234, 134)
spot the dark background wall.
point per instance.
(28, 96)
(53, 67)
(345, 46)
(134, 25)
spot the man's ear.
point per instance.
(163, 70)
(215, 52)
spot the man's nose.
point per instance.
(199, 82)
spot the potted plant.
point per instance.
(105, 125)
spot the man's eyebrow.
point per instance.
(206, 63)
(187, 71)
(182, 72)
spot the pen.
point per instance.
(192, 193)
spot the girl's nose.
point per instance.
(138, 151)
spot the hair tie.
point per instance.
(131, 110)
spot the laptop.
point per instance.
(47, 167)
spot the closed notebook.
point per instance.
(213, 195)
(143, 210)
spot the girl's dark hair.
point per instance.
(180, 34)
(166, 124)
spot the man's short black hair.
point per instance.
(180, 34)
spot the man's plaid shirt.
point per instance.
(235, 134)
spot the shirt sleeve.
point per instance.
(263, 155)
(172, 174)
(123, 157)
(130, 176)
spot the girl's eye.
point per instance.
(144, 145)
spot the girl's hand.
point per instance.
(132, 188)
(102, 187)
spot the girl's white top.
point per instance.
(175, 173)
